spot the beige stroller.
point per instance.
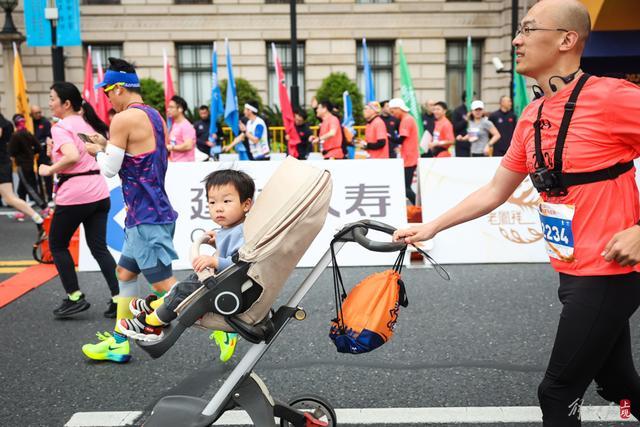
(278, 231)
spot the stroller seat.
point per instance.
(286, 218)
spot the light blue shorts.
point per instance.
(148, 248)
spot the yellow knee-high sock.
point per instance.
(123, 311)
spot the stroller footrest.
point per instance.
(262, 331)
(173, 411)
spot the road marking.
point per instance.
(103, 419)
(18, 263)
(390, 416)
(12, 270)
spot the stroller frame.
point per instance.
(243, 388)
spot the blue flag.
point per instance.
(217, 109)
(68, 30)
(38, 28)
(369, 89)
(231, 114)
(348, 121)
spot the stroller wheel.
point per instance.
(315, 406)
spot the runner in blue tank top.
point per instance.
(136, 152)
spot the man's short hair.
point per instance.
(442, 104)
(203, 107)
(326, 104)
(299, 111)
(241, 181)
(119, 64)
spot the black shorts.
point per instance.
(6, 174)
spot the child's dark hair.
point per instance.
(242, 182)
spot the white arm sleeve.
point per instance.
(110, 161)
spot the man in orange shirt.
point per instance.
(375, 133)
(408, 139)
(330, 132)
(577, 142)
(443, 137)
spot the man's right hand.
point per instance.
(417, 233)
(98, 139)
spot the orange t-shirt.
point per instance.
(409, 148)
(374, 132)
(604, 131)
(332, 147)
(443, 131)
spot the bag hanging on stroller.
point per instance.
(367, 316)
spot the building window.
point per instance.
(194, 73)
(381, 63)
(373, 1)
(281, 2)
(192, 2)
(456, 69)
(284, 53)
(101, 53)
(99, 2)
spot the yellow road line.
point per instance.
(12, 270)
(18, 263)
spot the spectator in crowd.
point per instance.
(254, 133)
(428, 119)
(22, 147)
(111, 113)
(392, 125)
(182, 137)
(42, 131)
(460, 119)
(481, 133)
(202, 126)
(443, 137)
(329, 136)
(304, 132)
(505, 121)
(375, 134)
(408, 137)
(6, 178)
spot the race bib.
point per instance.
(556, 220)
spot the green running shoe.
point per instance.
(227, 342)
(107, 349)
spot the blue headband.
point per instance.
(112, 77)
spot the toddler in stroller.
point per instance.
(229, 194)
(286, 218)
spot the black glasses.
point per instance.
(527, 30)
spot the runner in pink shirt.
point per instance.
(182, 136)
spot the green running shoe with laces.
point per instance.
(227, 342)
(107, 349)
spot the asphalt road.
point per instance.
(482, 339)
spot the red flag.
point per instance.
(168, 82)
(88, 92)
(103, 105)
(285, 107)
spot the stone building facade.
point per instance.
(432, 34)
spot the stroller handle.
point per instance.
(194, 252)
(360, 236)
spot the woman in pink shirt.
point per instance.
(182, 136)
(82, 196)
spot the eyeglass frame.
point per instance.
(108, 89)
(526, 30)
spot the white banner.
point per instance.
(511, 233)
(361, 189)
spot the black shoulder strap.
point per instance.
(569, 108)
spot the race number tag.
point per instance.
(556, 222)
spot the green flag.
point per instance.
(469, 75)
(520, 96)
(408, 94)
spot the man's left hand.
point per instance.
(624, 247)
